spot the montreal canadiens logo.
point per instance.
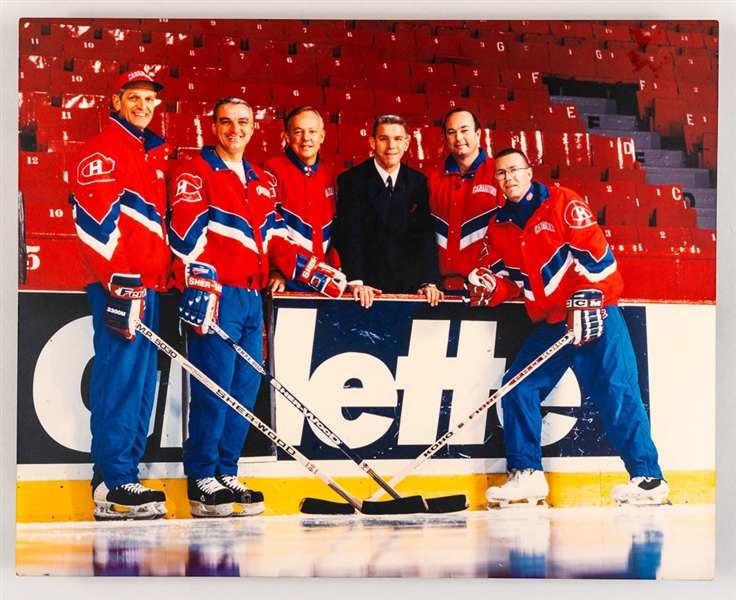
(263, 191)
(187, 188)
(578, 215)
(96, 167)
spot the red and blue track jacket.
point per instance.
(119, 190)
(217, 220)
(461, 207)
(561, 250)
(307, 202)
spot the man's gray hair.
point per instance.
(228, 100)
(389, 120)
(299, 110)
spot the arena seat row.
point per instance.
(341, 32)
(192, 128)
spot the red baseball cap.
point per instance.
(131, 76)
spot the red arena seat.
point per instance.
(329, 66)
(486, 52)
(668, 240)
(566, 148)
(188, 130)
(291, 96)
(424, 72)
(572, 62)
(388, 75)
(613, 151)
(241, 65)
(353, 139)
(349, 100)
(183, 53)
(395, 45)
(56, 124)
(402, 104)
(525, 78)
(292, 70)
(529, 56)
(622, 238)
(269, 30)
(529, 142)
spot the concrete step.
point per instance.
(702, 197)
(660, 158)
(687, 178)
(643, 140)
(706, 218)
(605, 121)
(600, 106)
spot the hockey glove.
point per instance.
(320, 276)
(585, 314)
(480, 287)
(125, 304)
(201, 298)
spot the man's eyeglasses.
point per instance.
(512, 172)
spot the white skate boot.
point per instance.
(642, 491)
(249, 501)
(524, 487)
(126, 502)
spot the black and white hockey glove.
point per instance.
(200, 301)
(480, 287)
(585, 314)
(126, 303)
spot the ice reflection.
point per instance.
(612, 543)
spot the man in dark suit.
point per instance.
(384, 233)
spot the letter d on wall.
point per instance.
(57, 395)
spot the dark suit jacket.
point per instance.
(385, 240)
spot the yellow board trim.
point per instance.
(62, 501)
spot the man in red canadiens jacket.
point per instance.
(227, 236)
(463, 197)
(306, 188)
(119, 209)
(544, 245)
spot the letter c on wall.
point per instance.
(57, 395)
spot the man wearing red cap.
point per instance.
(119, 208)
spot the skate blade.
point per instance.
(248, 510)
(644, 503)
(205, 511)
(117, 512)
(539, 503)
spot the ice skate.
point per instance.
(642, 491)
(249, 501)
(524, 487)
(209, 498)
(127, 502)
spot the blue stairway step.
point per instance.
(687, 178)
(702, 197)
(643, 140)
(660, 158)
(706, 218)
(596, 121)
(600, 106)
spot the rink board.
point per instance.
(389, 381)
